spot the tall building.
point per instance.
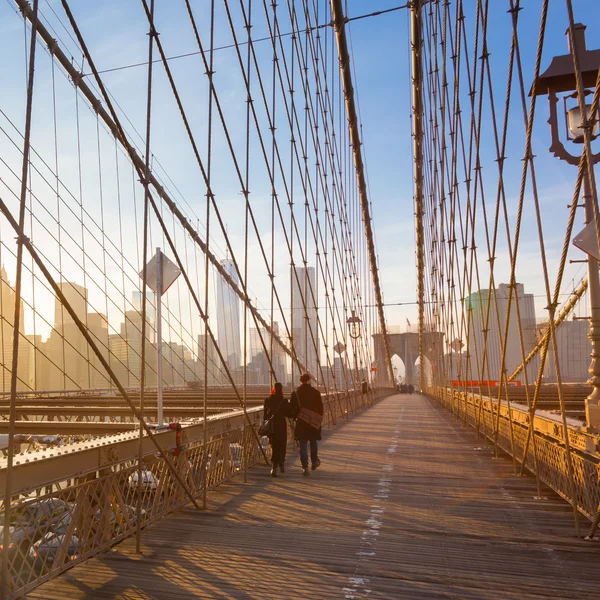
(455, 366)
(574, 351)
(77, 297)
(257, 356)
(66, 360)
(341, 374)
(258, 371)
(279, 359)
(66, 348)
(136, 301)
(97, 325)
(40, 363)
(255, 346)
(7, 314)
(214, 366)
(228, 317)
(477, 306)
(304, 322)
(126, 351)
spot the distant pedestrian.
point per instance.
(277, 408)
(307, 405)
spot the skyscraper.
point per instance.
(126, 351)
(76, 296)
(477, 303)
(304, 322)
(136, 300)
(7, 314)
(178, 365)
(97, 325)
(228, 317)
(68, 349)
(574, 351)
(258, 357)
(278, 357)
(214, 367)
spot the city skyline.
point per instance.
(64, 361)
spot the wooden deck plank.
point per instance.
(407, 504)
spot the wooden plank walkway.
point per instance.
(407, 504)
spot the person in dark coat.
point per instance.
(277, 406)
(307, 405)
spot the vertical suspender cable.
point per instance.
(293, 272)
(246, 195)
(144, 307)
(281, 376)
(209, 74)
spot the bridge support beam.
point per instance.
(339, 22)
(417, 119)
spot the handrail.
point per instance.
(86, 492)
(481, 412)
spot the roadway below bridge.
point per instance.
(407, 504)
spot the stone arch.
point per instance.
(406, 346)
(428, 370)
(399, 368)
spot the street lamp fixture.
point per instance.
(575, 122)
(560, 78)
(354, 331)
(354, 325)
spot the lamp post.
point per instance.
(354, 323)
(560, 78)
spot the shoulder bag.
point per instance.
(267, 427)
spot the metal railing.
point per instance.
(510, 432)
(71, 503)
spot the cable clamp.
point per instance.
(25, 9)
(52, 46)
(77, 77)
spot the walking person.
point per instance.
(307, 405)
(276, 407)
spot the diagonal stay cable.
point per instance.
(118, 132)
(243, 293)
(84, 331)
(154, 206)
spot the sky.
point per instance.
(116, 33)
(382, 76)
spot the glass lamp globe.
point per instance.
(575, 121)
